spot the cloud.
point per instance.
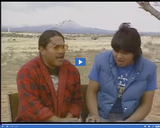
(37, 17)
(104, 15)
(32, 6)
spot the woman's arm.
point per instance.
(144, 109)
(91, 98)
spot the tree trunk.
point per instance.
(147, 7)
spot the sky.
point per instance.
(102, 15)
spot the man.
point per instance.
(49, 85)
(122, 82)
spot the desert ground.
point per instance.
(18, 50)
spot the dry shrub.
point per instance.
(148, 49)
(94, 37)
(147, 53)
(68, 37)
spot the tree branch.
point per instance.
(147, 7)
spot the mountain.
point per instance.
(67, 26)
(69, 23)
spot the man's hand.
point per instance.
(70, 120)
(67, 119)
(120, 121)
(93, 118)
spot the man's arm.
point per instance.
(144, 109)
(76, 100)
(30, 107)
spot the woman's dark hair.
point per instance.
(44, 38)
(127, 39)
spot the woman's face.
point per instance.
(123, 58)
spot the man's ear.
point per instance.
(41, 50)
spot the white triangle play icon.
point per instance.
(80, 61)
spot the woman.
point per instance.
(122, 82)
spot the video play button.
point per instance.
(80, 61)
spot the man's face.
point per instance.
(54, 52)
(123, 58)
